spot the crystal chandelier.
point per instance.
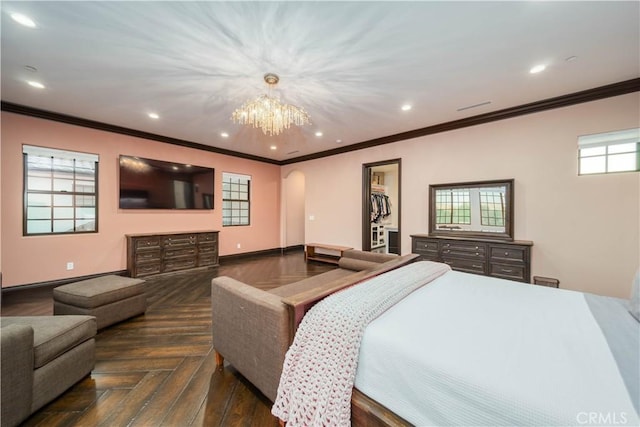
(267, 113)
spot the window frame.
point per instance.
(606, 141)
(75, 156)
(231, 175)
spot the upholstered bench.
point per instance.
(110, 299)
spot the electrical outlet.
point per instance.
(238, 245)
(69, 266)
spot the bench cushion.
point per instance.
(53, 337)
(99, 291)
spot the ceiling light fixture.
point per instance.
(406, 107)
(267, 113)
(154, 115)
(35, 84)
(224, 135)
(23, 19)
(537, 69)
(318, 134)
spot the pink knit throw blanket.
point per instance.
(320, 366)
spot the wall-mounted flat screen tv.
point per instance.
(158, 184)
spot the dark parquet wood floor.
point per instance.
(158, 369)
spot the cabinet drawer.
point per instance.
(464, 250)
(148, 255)
(179, 264)
(463, 246)
(208, 237)
(467, 265)
(207, 248)
(179, 240)
(208, 259)
(507, 253)
(174, 252)
(427, 249)
(145, 269)
(507, 271)
(146, 242)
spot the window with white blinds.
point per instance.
(609, 152)
(60, 191)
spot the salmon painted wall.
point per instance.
(585, 229)
(34, 259)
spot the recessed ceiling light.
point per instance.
(153, 115)
(338, 141)
(23, 19)
(224, 135)
(406, 107)
(537, 68)
(35, 84)
(318, 133)
(273, 147)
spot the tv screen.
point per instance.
(156, 184)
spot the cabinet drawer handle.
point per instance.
(477, 254)
(476, 266)
(476, 247)
(504, 270)
(506, 254)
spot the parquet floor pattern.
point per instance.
(158, 369)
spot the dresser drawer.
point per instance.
(178, 251)
(148, 255)
(507, 254)
(208, 237)
(463, 249)
(146, 242)
(208, 259)
(507, 271)
(179, 240)
(179, 264)
(144, 269)
(427, 249)
(466, 265)
(207, 248)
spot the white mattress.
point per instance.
(473, 350)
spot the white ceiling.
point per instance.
(351, 65)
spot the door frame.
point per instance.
(366, 201)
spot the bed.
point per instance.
(473, 350)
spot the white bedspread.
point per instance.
(320, 366)
(472, 350)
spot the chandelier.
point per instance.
(267, 113)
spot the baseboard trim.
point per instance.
(264, 252)
(60, 282)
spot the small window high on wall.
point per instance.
(60, 191)
(609, 152)
(235, 199)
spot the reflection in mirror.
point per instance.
(472, 209)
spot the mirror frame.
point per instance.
(508, 233)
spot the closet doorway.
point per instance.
(381, 213)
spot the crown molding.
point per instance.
(607, 91)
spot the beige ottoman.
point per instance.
(110, 299)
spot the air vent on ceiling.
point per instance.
(468, 107)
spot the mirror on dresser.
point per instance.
(472, 209)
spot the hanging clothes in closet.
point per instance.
(380, 206)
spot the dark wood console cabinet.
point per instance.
(505, 259)
(157, 253)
